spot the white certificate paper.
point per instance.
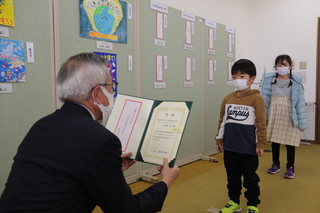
(128, 121)
(165, 131)
(211, 69)
(151, 129)
(188, 69)
(230, 63)
(188, 32)
(160, 25)
(159, 68)
(211, 38)
(230, 43)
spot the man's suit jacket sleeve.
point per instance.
(107, 185)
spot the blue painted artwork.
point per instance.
(104, 20)
(112, 65)
(12, 61)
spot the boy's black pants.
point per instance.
(238, 165)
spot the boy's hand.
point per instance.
(219, 147)
(259, 152)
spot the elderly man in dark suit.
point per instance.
(69, 162)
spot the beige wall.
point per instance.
(233, 13)
(265, 29)
(286, 26)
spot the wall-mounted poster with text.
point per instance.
(7, 13)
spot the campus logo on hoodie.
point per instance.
(239, 113)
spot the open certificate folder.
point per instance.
(151, 129)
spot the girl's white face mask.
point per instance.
(240, 84)
(283, 71)
(106, 110)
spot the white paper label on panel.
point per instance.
(211, 52)
(30, 52)
(211, 84)
(104, 45)
(158, 7)
(129, 11)
(188, 84)
(229, 83)
(159, 85)
(192, 29)
(159, 42)
(4, 31)
(188, 47)
(211, 24)
(165, 20)
(165, 62)
(130, 62)
(188, 16)
(5, 88)
(193, 64)
(230, 30)
(229, 55)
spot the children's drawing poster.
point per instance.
(7, 13)
(104, 20)
(112, 65)
(12, 61)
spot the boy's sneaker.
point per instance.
(252, 209)
(231, 207)
(289, 173)
(274, 168)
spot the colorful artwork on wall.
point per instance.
(112, 65)
(104, 20)
(7, 13)
(12, 61)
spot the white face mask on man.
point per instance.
(283, 71)
(106, 110)
(240, 84)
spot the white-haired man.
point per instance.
(69, 162)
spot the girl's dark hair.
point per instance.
(280, 59)
(244, 66)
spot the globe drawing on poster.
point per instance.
(103, 20)
(12, 65)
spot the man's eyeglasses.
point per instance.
(114, 85)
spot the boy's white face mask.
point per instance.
(240, 84)
(106, 110)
